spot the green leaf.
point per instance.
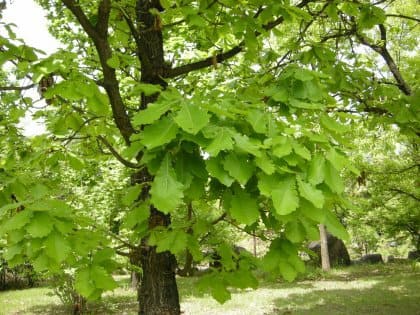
(248, 145)
(258, 121)
(315, 214)
(332, 125)
(287, 271)
(41, 263)
(12, 251)
(316, 171)
(336, 159)
(244, 207)
(301, 150)
(216, 170)
(303, 74)
(174, 241)
(305, 105)
(18, 221)
(265, 164)
(222, 141)
(103, 255)
(136, 216)
(9, 206)
(160, 133)
(295, 231)
(333, 179)
(285, 197)
(75, 162)
(152, 113)
(55, 207)
(102, 279)
(241, 279)
(57, 247)
(191, 118)
(311, 194)
(40, 225)
(113, 62)
(335, 227)
(239, 167)
(219, 292)
(370, 16)
(98, 103)
(267, 183)
(147, 89)
(166, 191)
(38, 191)
(131, 194)
(282, 146)
(83, 282)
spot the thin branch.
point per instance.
(17, 88)
(217, 220)
(98, 35)
(401, 16)
(402, 192)
(403, 170)
(117, 155)
(210, 61)
(383, 51)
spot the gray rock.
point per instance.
(338, 253)
(372, 259)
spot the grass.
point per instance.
(374, 290)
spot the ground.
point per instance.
(375, 290)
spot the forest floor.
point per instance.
(375, 290)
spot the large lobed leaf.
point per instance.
(166, 191)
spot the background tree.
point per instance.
(385, 196)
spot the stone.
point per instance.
(414, 255)
(372, 259)
(337, 251)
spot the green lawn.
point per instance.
(382, 290)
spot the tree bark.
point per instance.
(158, 291)
(325, 257)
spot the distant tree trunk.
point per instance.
(254, 238)
(325, 257)
(135, 261)
(188, 269)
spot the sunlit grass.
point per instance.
(373, 290)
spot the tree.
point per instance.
(243, 106)
(325, 257)
(384, 195)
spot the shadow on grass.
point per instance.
(374, 296)
(121, 301)
(366, 291)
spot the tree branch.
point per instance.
(17, 88)
(383, 51)
(184, 69)
(401, 16)
(104, 10)
(402, 192)
(117, 155)
(99, 37)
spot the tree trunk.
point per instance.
(325, 257)
(158, 291)
(254, 239)
(188, 269)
